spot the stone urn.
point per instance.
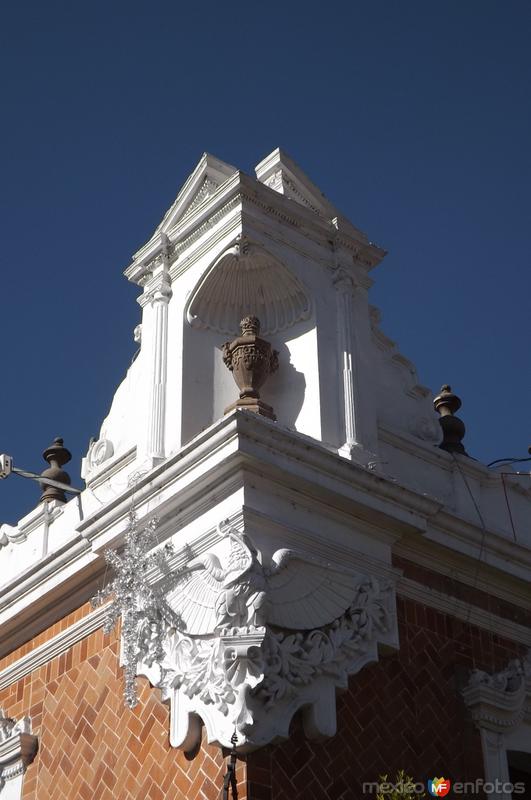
(250, 359)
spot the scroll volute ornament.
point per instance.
(250, 359)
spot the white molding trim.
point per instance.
(54, 647)
(454, 607)
(459, 568)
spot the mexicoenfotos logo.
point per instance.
(439, 787)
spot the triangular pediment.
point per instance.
(283, 175)
(208, 176)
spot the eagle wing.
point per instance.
(306, 593)
(193, 600)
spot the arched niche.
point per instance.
(246, 279)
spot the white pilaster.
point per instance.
(344, 289)
(155, 300)
(359, 422)
(499, 705)
(495, 761)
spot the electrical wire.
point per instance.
(503, 474)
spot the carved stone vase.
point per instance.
(250, 359)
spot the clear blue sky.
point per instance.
(414, 117)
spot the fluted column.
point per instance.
(155, 301)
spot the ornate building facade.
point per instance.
(284, 566)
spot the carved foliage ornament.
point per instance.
(256, 643)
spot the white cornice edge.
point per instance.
(458, 567)
(446, 604)
(54, 647)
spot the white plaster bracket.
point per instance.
(499, 703)
(18, 747)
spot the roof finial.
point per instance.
(56, 455)
(453, 429)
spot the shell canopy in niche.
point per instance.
(247, 279)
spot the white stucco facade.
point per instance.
(348, 474)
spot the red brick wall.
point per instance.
(91, 747)
(404, 712)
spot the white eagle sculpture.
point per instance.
(296, 592)
(245, 645)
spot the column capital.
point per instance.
(157, 289)
(342, 280)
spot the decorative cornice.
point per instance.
(458, 567)
(219, 461)
(471, 614)
(42, 514)
(237, 190)
(207, 188)
(501, 700)
(157, 288)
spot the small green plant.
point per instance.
(402, 788)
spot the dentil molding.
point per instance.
(256, 642)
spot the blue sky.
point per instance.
(413, 117)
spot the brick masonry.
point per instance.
(405, 712)
(91, 747)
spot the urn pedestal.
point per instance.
(250, 359)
